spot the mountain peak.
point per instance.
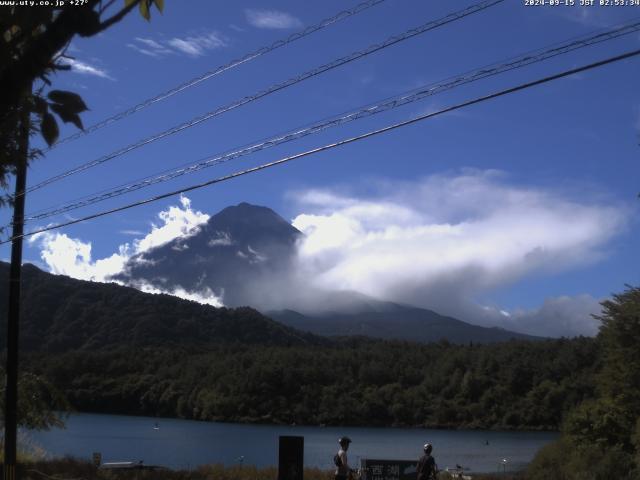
(237, 246)
(255, 217)
(251, 223)
(249, 205)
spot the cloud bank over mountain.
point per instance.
(441, 242)
(64, 255)
(445, 240)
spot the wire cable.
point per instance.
(340, 143)
(275, 88)
(390, 103)
(361, 7)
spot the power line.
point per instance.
(361, 7)
(276, 87)
(526, 59)
(340, 143)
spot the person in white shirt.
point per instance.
(343, 470)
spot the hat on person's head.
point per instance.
(428, 447)
(343, 440)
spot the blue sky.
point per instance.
(520, 212)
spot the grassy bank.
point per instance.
(74, 469)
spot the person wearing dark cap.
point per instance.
(427, 465)
(343, 470)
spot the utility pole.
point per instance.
(11, 399)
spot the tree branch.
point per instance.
(117, 17)
(107, 6)
(36, 59)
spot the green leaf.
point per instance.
(11, 32)
(40, 105)
(72, 101)
(128, 2)
(49, 128)
(159, 5)
(67, 115)
(144, 9)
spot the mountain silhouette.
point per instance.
(61, 314)
(232, 255)
(245, 255)
(396, 322)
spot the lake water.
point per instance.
(187, 444)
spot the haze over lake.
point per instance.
(187, 444)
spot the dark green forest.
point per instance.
(113, 349)
(110, 349)
(348, 382)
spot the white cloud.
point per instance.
(85, 68)
(64, 255)
(205, 297)
(150, 47)
(132, 232)
(176, 222)
(560, 317)
(193, 46)
(440, 242)
(445, 240)
(271, 19)
(198, 45)
(150, 43)
(222, 239)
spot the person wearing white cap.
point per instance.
(343, 470)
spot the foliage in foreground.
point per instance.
(601, 437)
(40, 404)
(33, 41)
(77, 469)
(74, 468)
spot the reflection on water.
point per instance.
(187, 444)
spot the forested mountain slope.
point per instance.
(60, 314)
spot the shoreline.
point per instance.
(257, 422)
(180, 443)
(73, 467)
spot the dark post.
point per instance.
(11, 399)
(290, 458)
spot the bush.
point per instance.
(72, 468)
(549, 463)
(563, 460)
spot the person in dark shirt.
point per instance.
(427, 465)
